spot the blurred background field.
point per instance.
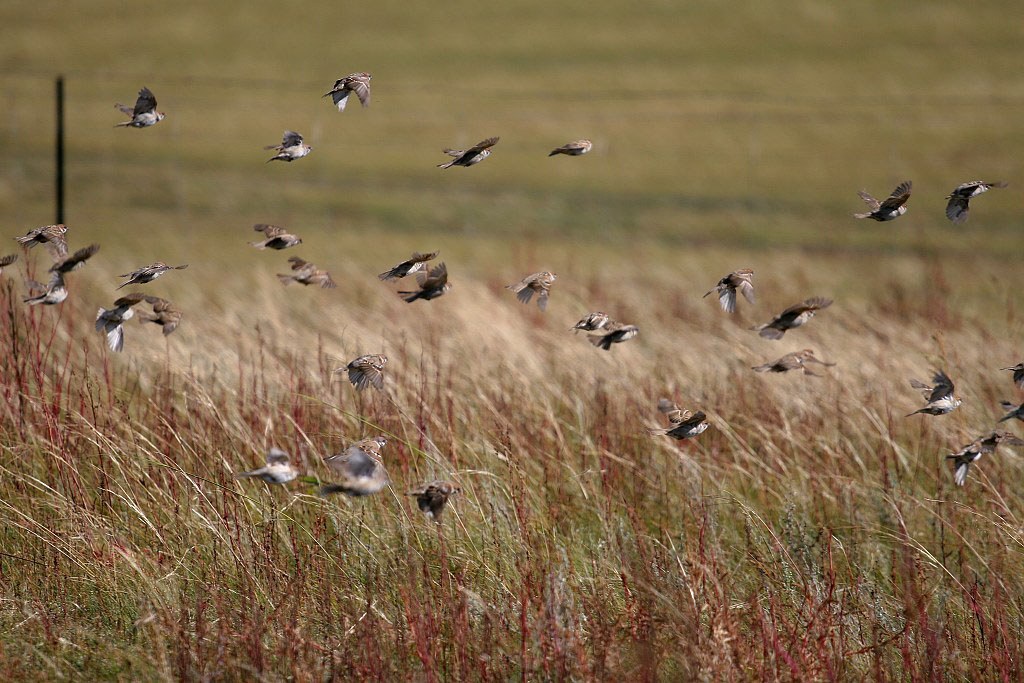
(812, 533)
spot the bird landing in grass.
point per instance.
(573, 149)
(366, 371)
(539, 283)
(358, 83)
(431, 498)
(278, 469)
(891, 208)
(306, 273)
(276, 237)
(794, 361)
(683, 423)
(941, 400)
(291, 148)
(966, 456)
(617, 333)
(362, 473)
(144, 113)
(794, 316)
(431, 285)
(471, 156)
(959, 199)
(741, 280)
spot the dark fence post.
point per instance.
(59, 171)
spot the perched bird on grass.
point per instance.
(793, 361)
(473, 155)
(939, 396)
(278, 469)
(591, 322)
(1018, 374)
(163, 314)
(891, 208)
(967, 455)
(959, 199)
(141, 276)
(306, 273)
(739, 280)
(53, 236)
(683, 423)
(111, 321)
(1016, 411)
(794, 316)
(617, 334)
(7, 260)
(358, 83)
(366, 371)
(573, 149)
(361, 472)
(431, 498)
(431, 285)
(144, 113)
(414, 264)
(290, 149)
(539, 283)
(277, 237)
(54, 292)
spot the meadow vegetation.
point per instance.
(812, 533)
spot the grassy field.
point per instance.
(812, 533)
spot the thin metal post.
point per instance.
(59, 170)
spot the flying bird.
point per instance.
(970, 453)
(617, 334)
(362, 473)
(145, 274)
(431, 498)
(358, 83)
(306, 273)
(290, 149)
(7, 260)
(366, 371)
(794, 316)
(1016, 411)
(277, 237)
(891, 208)
(75, 261)
(738, 280)
(278, 469)
(793, 361)
(431, 285)
(144, 114)
(591, 322)
(683, 423)
(111, 321)
(939, 396)
(54, 292)
(53, 236)
(573, 149)
(163, 314)
(414, 264)
(959, 199)
(539, 283)
(1018, 374)
(473, 155)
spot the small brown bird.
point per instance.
(75, 261)
(538, 282)
(893, 207)
(362, 473)
(431, 498)
(164, 314)
(414, 264)
(277, 237)
(148, 273)
(794, 316)
(111, 321)
(959, 199)
(617, 334)
(366, 371)
(473, 155)
(54, 292)
(727, 286)
(7, 260)
(431, 285)
(963, 459)
(290, 149)
(358, 83)
(372, 445)
(591, 322)
(793, 361)
(1018, 374)
(53, 236)
(144, 113)
(306, 273)
(278, 469)
(573, 149)
(939, 396)
(1016, 411)
(683, 423)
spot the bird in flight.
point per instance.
(431, 285)
(414, 264)
(959, 199)
(53, 236)
(539, 283)
(366, 371)
(306, 273)
(361, 471)
(794, 316)
(970, 453)
(141, 276)
(276, 237)
(358, 83)
(164, 314)
(111, 321)
(290, 149)
(738, 280)
(891, 208)
(431, 498)
(939, 395)
(1018, 374)
(278, 469)
(468, 157)
(683, 424)
(617, 333)
(793, 361)
(7, 260)
(144, 113)
(591, 322)
(573, 149)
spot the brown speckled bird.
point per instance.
(970, 453)
(358, 83)
(794, 316)
(278, 469)
(739, 280)
(53, 236)
(361, 471)
(939, 396)
(276, 237)
(891, 208)
(683, 423)
(573, 149)
(591, 322)
(539, 283)
(959, 198)
(306, 273)
(431, 285)
(291, 148)
(431, 498)
(471, 156)
(366, 371)
(793, 361)
(143, 114)
(145, 274)
(164, 314)
(414, 264)
(617, 333)
(6, 261)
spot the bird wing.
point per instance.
(146, 102)
(482, 145)
(291, 139)
(436, 279)
(898, 197)
(275, 456)
(957, 207)
(943, 387)
(76, 260)
(872, 203)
